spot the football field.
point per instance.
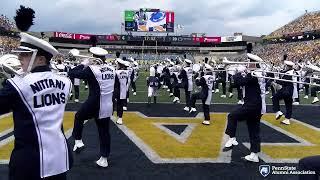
(164, 142)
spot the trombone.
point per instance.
(253, 73)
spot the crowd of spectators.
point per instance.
(7, 24)
(310, 21)
(8, 43)
(295, 51)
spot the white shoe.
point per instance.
(315, 100)
(171, 94)
(186, 109)
(230, 95)
(168, 90)
(205, 122)
(217, 90)
(253, 157)
(134, 93)
(240, 102)
(78, 146)
(231, 142)
(102, 162)
(295, 103)
(193, 110)
(119, 121)
(86, 87)
(132, 90)
(223, 96)
(279, 114)
(286, 121)
(176, 100)
(76, 100)
(213, 91)
(267, 92)
(306, 97)
(125, 108)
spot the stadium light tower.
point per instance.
(179, 28)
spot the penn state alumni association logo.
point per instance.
(264, 170)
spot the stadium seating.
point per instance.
(306, 22)
(305, 50)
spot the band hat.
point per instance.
(29, 43)
(98, 51)
(208, 67)
(123, 62)
(188, 61)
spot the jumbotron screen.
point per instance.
(149, 20)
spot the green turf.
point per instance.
(164, 95)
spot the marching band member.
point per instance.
(101, 80)
(75, 81)
(314, 90)
(76, 87)
(232, 85)
(186, 83)
(153, 84)
(121, 87)
(285, 93)
(135, 77)
(130, 79)
(172, 78)
(221, 78)
(38, 101)
(251, 111)
(206, 82)
(296, 86)
(176, 80)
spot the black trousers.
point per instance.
(176, 92)
(252, 116)
(223, 82)
(239, 90)
(103, 129)
(119, 106)
(206, 108)
(134, 87)
(311, 163)
(76, 92)
(306, 87)
(287, 97)
(18, 176)
(269, 84)
(314, 91)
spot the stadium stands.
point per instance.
(6, 24)
(307, 22)
(305, 50)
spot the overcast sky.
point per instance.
(214, 17)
